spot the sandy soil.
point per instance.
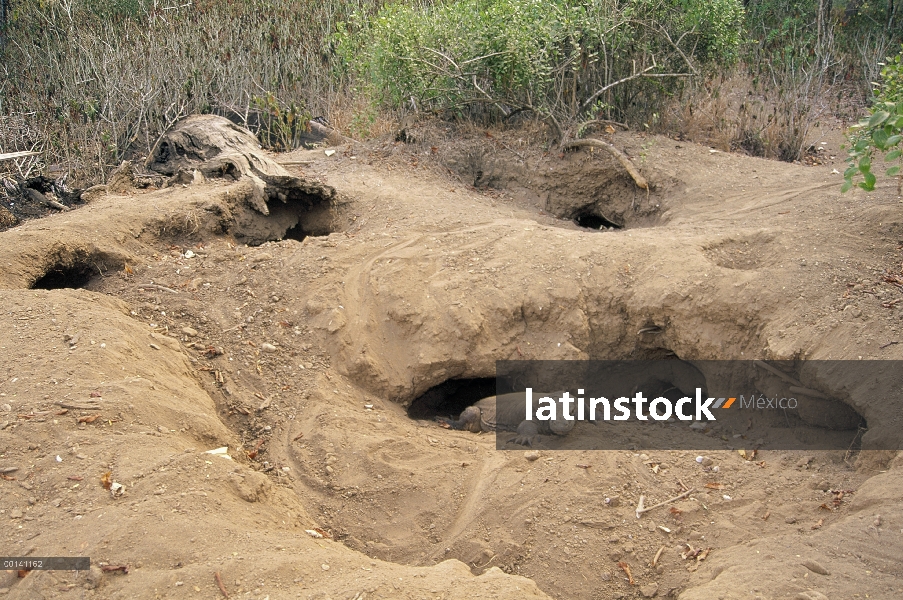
(302, 351)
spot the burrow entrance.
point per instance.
(594, 221)
(75, 270)
(450, 397)
(287, 221)
(672, 379)
(589, 189)
(62, 277)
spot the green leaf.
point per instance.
(850, 172)
(878, 118)
(894, 140)
(869, 182)
(865, 163)
(879, 137)
(893, 170)
(893, 155)
(846, 187)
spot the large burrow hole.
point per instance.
(288, 221)
(62, 277)
(450, 397)
(664, 375)
(75, 271)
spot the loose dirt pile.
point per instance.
(142, 331)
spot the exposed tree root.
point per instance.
(622, 158)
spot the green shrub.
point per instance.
(881, 131)
(550, 56)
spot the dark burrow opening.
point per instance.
(76, 275)
(299, 232)
(594, 221)
(450, 397)
(288, 221)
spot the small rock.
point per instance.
(705, 461)
(649, 591)
(790, 520)
(804, 461)
(531, 455)
(810, 595)
(695, 535)
(268, 347)
(324, 566)
(815, 567)
(613, 502)
(15, 514)
(189, 331)
(94, 578)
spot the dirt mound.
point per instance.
(302, 351)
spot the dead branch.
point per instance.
(14, 155)
(641, 508)
(592, 122)
(622, 158)
(796, 386)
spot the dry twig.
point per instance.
(642, 509)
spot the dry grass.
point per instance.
(732, 113)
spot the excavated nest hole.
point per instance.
(74, 272)
(593, 221)
(594, 193)
(72, 276)
(450, 397)
(289, 221)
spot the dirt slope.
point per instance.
(301, 357)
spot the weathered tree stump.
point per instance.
(218, 148)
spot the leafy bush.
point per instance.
(560, 58)
(881, 131)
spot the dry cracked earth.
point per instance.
(151, 326)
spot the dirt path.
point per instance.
(300, 356)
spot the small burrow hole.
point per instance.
(450, 397)
(594, 221)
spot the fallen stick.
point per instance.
(14, 155)
(626, 568)
(74, 406)
(115, 568)
(219, 582)
(154, 286)
(622, 158)
(36, 196)
(807, 392)
(658, 555)
(642, 509)
(795, 386)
